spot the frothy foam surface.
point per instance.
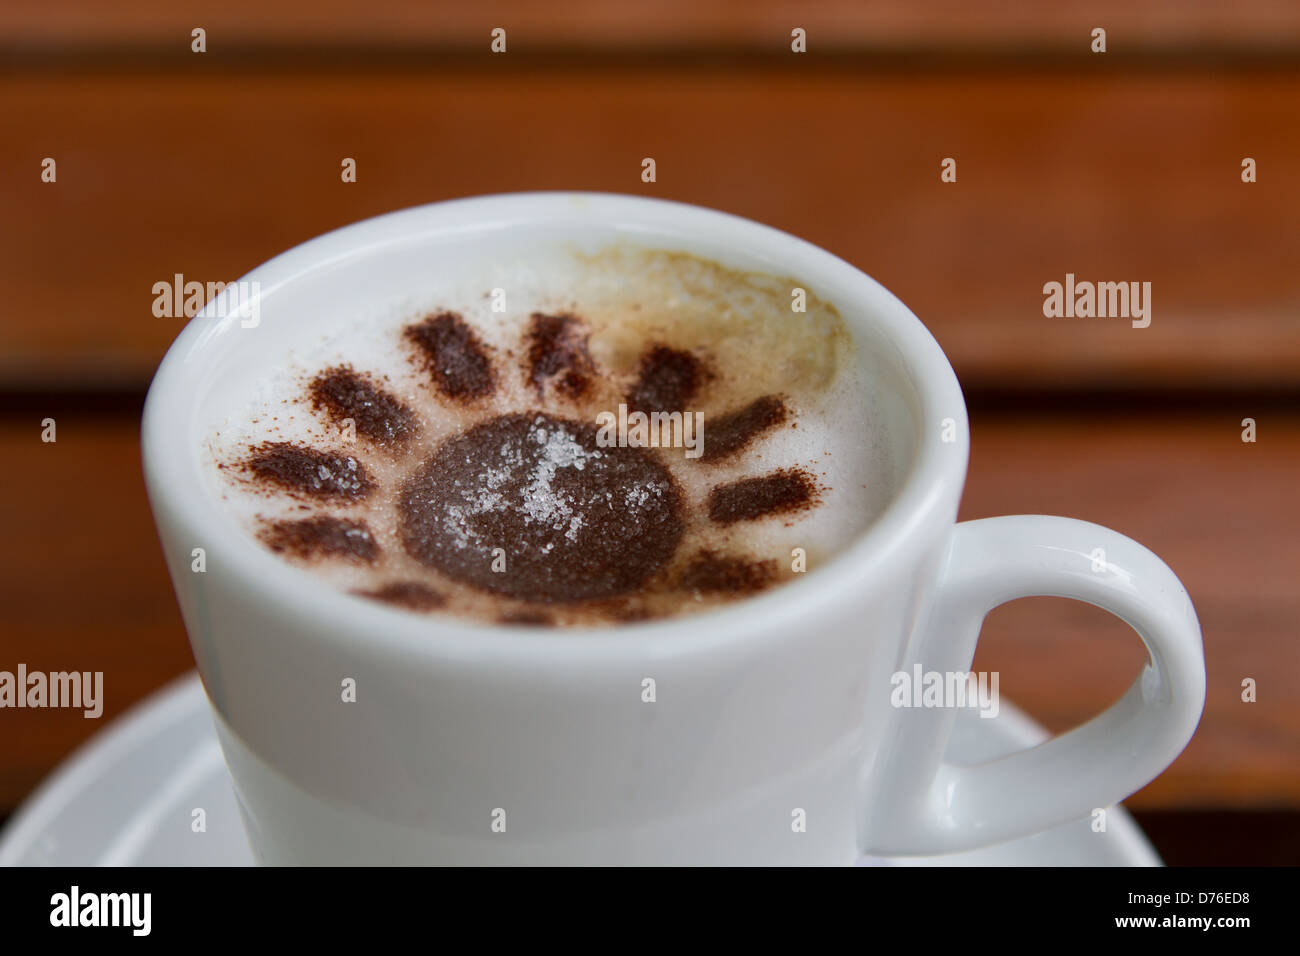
(442, 451)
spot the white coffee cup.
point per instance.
(771, 737)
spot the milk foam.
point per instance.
(627, 298)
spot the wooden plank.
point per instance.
(836, 24)
(83, 584)
(1111, 176)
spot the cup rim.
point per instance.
(926, 500)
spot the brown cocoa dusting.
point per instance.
(453, 356)
(321, 537)
(667, 380)
(529, 618)
(732, 432)
(342, 393)
(408, 594)
(557, 347)
(309, 471)
(713, 573)
(575, 521)
(777, 493)
(631, 614)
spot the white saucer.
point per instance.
(127, 796)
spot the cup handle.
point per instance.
(947, 807)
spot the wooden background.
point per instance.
(1119, 166)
